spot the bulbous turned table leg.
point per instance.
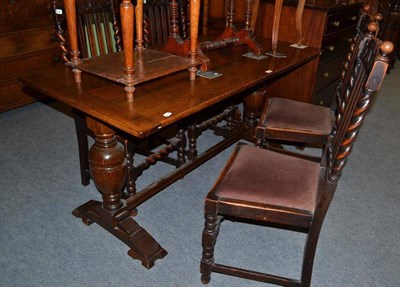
(108, 167)
(252, 104)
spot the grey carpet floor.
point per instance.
(42, 244)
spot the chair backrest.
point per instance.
(355, 46)
(366, 76)
(97, 26)
(57, 12)
(160, 16)
(364, 19)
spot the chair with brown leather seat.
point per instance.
(283, 191)
(299, 122)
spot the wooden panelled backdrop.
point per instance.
(26, 31)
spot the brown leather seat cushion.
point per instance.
(294, 115)
(264, 176)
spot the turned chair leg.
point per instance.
(308, 260)
(311, 247)
(210, 233)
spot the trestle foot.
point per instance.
(85, 220)
(205, 279)
(121, 224)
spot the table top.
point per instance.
(165, 101)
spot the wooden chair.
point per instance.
(156, 21)
(283, 191)
(299, 122)
(97, 26)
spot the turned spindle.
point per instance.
(139, 23)
(127, 20)
(174, 26)
(194, 30)
(230, 19)
(70, 11)
(248, 15)
(233, 36)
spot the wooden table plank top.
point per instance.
(174, 94)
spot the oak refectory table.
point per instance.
(157, 105)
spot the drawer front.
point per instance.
(325, 97)
(27, 42)
(339, 21)
(12, 96)
(11, 68)
(336, 45)
(328, 72)
(17, 15)
(11, 93)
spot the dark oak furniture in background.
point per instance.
(158, 104)
(26, 40)
(328, 25)
(219, 16)
(288, 192)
